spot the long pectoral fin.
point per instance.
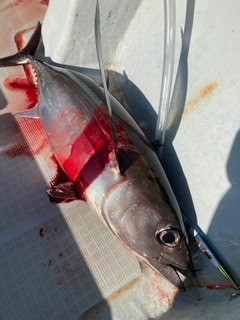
(140, 135)
(30, 113)
(64, 191)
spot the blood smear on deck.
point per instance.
(16, 83)
(28, 127)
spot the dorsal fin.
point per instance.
(22, 57)
(140, 135)
(100, 61)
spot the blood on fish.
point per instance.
(18, 150)
(90, 152)
(89, 155)
(93, 162)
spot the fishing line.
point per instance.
(167, 75)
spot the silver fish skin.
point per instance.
(133, 206)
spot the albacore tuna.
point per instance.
(132, 200)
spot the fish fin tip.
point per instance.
(31, 113)
(65, 191)
(22, 57)
(33, 42)
(139, 134)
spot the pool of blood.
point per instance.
(14, 83)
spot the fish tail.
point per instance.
(24, 56)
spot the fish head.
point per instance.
(149, 228)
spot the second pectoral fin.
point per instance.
(65, 191)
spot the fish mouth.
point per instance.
(187, 271)
(175, 278)
(171, 272)
(175, 272)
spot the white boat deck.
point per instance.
(58, 261)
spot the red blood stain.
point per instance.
(60, 254)
(90, 152)
(50, 262)
(43, 144)
(55, 229)
(41, 233)
(14, 83)
(32, 8)
(22, 148)
(157, 292)
(91, 143)
(16, 2)
(18, 150)
(13, 4)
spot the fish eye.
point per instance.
(170, 237)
